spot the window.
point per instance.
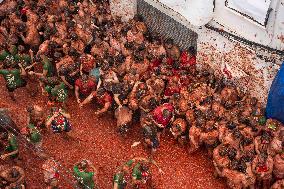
(256, 10)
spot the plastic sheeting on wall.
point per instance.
(275, 101)
(197, 12)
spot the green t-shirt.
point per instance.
(47, 66)
(13, 145)
(119, 179)
(129, 163)
(13, 78)
(136, 172)
(60, 92)
(24, 59)
(85, 178)
(4, 55)
(35, 135)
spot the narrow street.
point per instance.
(95, 139)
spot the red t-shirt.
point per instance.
(185, 61)
(85, 88)
(154, 64)
(171, 90)
(170, 61)
(104, 99)
(158, 114)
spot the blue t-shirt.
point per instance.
(96, 73)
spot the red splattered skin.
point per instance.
(95, 139)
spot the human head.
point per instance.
(223, 151)
(166, 113)
(14, 173)
(101, 91)
(169, 43)
(237, 134)
(4, 135)
(231, 125)
(83, 165)
(232, 153)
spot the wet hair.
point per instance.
(14, 173)
(232, 153)
(242, 167)
(73, 36)
(247, 141)
(200, 121)
(254, 101)
(138, 18)
(166, 113)
(192, 50)
(223, 151)
(207, 100)
(21, 48)
(70, 23)
(209, 115)
(74, 52)
(83, 164)
(4, 135)
(169, 41)
(129, 45)
(101, 91)
(153, 103)
(237, 134)
(264, 155)
(120, 58)
(22, 27)
(265, 136)
(234, 164)
(198, 113)
(138, 57)
(117, 88)
(231, 125)
(57, 55)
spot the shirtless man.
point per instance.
(220, 159)
(50, 172)
(278, 169)
(262, 167)
(278, 184)
(14, 176)
(36, 116)
(124, 117)
(276, 145)
(134, 35)
(195, 133)
(239, 177)
(179, 130)
(262, 142)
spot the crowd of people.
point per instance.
(59, 47)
